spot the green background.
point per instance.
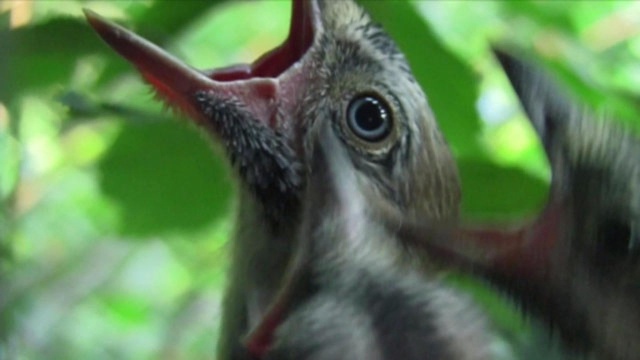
(115, 216)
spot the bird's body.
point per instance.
(299, 268)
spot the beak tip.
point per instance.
(105, 28)
(92, 17)
(88, 12)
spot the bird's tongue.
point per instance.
(264, 88)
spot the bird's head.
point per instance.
(335, 66)
(593, 265)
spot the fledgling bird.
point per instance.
(336, 65)
(350, 292)
(590, 284)
(576, 265)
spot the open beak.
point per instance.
(524, 252)
(260, 105)
(252, 109)
(267, 88)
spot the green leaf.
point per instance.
(164, 177)
(127, 311)
(9, 163)
(163, 20)
(545, 13)
(39, 56)
(494, 192)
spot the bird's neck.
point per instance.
(260, 253)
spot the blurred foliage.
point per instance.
(114, 217)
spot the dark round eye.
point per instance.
(369, 118)
(616, 239)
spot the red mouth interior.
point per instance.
(275, 62)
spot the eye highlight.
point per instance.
(369, 118)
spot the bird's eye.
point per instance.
(369, 118)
